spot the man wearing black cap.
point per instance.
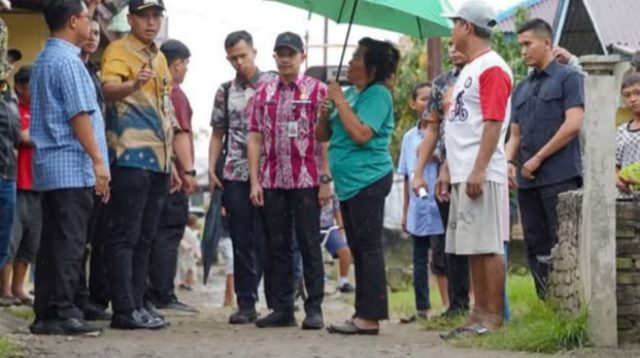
(291, 182)
(137, 86)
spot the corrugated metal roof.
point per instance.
(543, 9)
(616, 21)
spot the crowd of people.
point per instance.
(105, 166)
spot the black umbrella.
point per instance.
(212, 232)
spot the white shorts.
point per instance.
(478, 226)
(226, 249)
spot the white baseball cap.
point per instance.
(477, 12)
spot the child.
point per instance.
(628, 135)
(421, 216)
(226, 249)
(189, 254)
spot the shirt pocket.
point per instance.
(549, 105)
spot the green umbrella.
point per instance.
(417, 18)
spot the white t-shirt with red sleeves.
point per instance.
(481, 93)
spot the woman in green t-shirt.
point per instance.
(358, 124)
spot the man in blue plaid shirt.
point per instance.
(70, 161)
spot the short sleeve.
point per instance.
(374, 107)
(573, 89)
(403, 168)
(218, 120)
(620, 142)
(495, 93)
(514, 101)
(182, 109)
(74, 76)
(256, 111)
(114, 65)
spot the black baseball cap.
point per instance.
(289, 40)
(139, 5)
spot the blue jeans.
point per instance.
(421, 246)
(7, 212)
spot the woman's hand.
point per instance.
(325, 109)
(334, 92)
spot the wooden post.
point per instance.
(434, 57)
(598, 246)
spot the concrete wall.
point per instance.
(565, 280)
(28, 33)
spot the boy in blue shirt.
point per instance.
(421, 217)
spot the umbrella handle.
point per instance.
(346, 40)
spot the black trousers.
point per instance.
(538, 209)
(163, 260)
(137, 197)
(363, 217)
(65, 215)
(285, 211)
(94, 283)
(247, 235)
(457, 269)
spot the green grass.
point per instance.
(9, 349)
(25, 313)
(534, 327)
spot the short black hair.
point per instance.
(538, 26)
(175, 50)
(380, 58)
(237, 36)
(58, 12)
(418, 87)
(629, 80)
(23, 76)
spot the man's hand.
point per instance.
(404, 223)
(513, 179)
(257, 195)
(144, 75)
(418, 182)
(190, 184)
(442, 185)
(324, 194)
(475, 184)
(562, 55)
(176, 182)
(102, 181)
(214, 181)
(530, 167)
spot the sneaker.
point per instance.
(152, 319)
(94, 313)
(313, 321)
(243, 316)
(177, 307)
(45, 327)
(277, 319)
(134, 321)
(347, 288)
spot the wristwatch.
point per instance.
(190, 172)
(325, 179)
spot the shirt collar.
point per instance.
(551, 69)
(294, 83)
(139, 45)
(65, 45)
(241, 82)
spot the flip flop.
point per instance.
(470, 331)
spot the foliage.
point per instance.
(9, 348)
(412, 70)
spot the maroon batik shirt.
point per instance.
(286, 116)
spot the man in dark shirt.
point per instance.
(548, 110)
(173, 220)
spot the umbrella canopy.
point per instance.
(417, 18)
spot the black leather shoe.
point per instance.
(45, 327)
(76, 326)
(277, 319)
(132, 321)
(243, 316)
(313, 321)
(95, 313)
